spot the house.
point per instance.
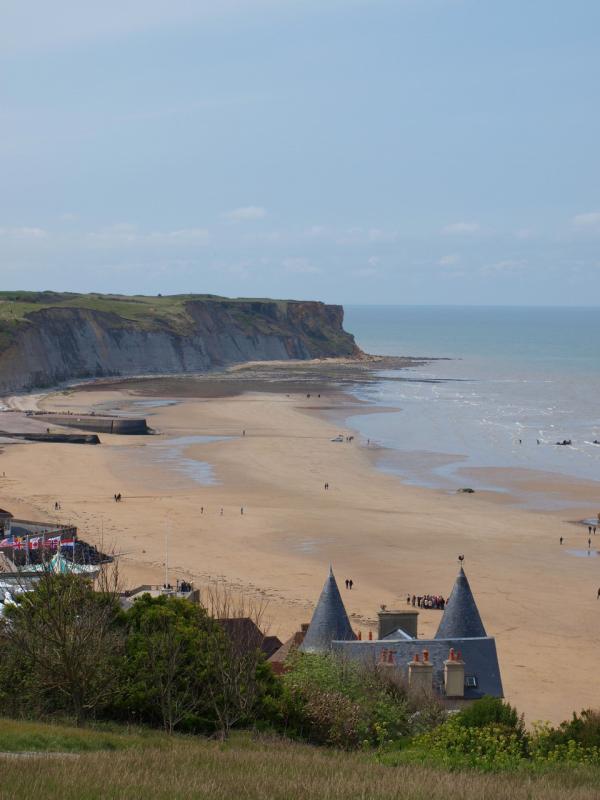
(459, 664)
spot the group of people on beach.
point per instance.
(426, 601)
(118, 497)
(222, 511)
(349, 583)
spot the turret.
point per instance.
(461, 618)
(329, 621)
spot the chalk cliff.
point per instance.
(112, 336)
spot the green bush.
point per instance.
(576, 741)
(334, 701)
(492, 711)
(488, 747)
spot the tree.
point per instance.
(168, 667)
(241, 676)
(62, 641)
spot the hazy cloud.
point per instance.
(24, 233)
(246, 213)
(449, 260)
(588, 222)
(461, 228)
(508, 265)
(299, 265)
(126, 233)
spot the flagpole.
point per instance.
(167, 558)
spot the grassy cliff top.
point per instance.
(174, 313)
(16, 305)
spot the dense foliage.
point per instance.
(329, 700)
(68, 649)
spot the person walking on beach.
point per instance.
(202, 509)
(589, 530)
(347, 582)
(598, 595)
(350, 583)
(221, 512)
(589, 543)
(561, 540)
(242, 511)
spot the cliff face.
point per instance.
(61, 343)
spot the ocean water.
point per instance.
(511, 383)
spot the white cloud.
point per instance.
(449, 260)
(587, 222)
(246, 213)
(299, 265)
(186, 234)
(461, 228)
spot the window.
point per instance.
(471, 681)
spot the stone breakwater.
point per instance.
(126, 426)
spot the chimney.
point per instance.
(454, 675)
(420, 673)
(390, 621)
(387, 658)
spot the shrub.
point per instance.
(492, 711)
(576, 741)
(335, 701)
(452, 745)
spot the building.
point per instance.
(459, 664)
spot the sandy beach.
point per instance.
(537, 598)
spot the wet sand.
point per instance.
(538, 599)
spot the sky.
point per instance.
(351, 151)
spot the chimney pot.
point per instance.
(425, 655)
(370, 635)
(359, 635)
(416, 659)
(451, 654)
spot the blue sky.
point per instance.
(355, 151)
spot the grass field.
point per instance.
(114, 763)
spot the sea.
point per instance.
(499, 387)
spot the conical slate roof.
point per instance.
(329, 621)
(461, 618)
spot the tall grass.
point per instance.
(251, 768)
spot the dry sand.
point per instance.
(538, 600)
